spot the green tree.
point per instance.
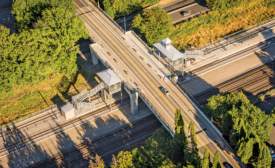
(179, 142)
(245, 149)
(27, 12)
(33, 55)
(227, 123)
(156, 24)
(217, 160)
(123, 160)
(264, 159)
(194, 156)
(205, 162)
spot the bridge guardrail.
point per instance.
(157, 114)
(108, 17)
(198, 107)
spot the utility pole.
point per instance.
(124, 23)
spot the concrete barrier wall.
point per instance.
(5, 3)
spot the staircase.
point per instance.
(85, 94)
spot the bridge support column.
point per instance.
(94, 55)
(133, 99)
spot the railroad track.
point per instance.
(262, 75)
(54, 129)
(207, 66)
(13, 129)
(86, 150)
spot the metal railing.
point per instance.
(120, 28)
(164, 121)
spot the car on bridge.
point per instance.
(165, 91)
(185, 13)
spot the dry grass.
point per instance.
(27, 99)
(212, 26)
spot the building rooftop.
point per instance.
(67, 108)
(109, 77)
(169, 51)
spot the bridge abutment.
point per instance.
(94, 55)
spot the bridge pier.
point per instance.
(94, 55)
(133, 99)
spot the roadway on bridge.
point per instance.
(106, 33)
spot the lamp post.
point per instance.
(124, 23)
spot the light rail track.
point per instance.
(56, 128)
(86, 150)
(262, 75)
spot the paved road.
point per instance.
(173, 9)
(106, 33)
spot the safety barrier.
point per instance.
(108, 17)
(163, 120)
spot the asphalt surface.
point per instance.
(174, 9)
(102, 28)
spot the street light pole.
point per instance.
(98, 3)
(124, 23)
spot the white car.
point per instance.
(165, 91)
(185, 13)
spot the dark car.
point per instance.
(227, 165)
(165, 91)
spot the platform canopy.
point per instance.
(168, 50)
(109, 77)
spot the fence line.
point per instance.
(243, 33)
(51, 107)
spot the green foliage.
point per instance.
(32, 56)
(123, 160)
(217, 160)
(225, 4)
(27, 12)
(205, 162)
(124, 7)
(218, 105)
(155, 24)
(207, 28)
(264, 159)
(179, 142)
(194, 156)
(245, 124)
(96, 162)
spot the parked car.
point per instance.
(227, 165)
(165, 91)
(185, 13)
(271, 151)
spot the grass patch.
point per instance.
(28, 100)
(214, 25)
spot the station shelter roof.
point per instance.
(169, 51)
(67, 108)
(109, 77)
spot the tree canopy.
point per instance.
(124, 7)
(26, 12)
(32, 56)
(154, 23)
(244, 124)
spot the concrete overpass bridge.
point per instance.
(142, 78)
